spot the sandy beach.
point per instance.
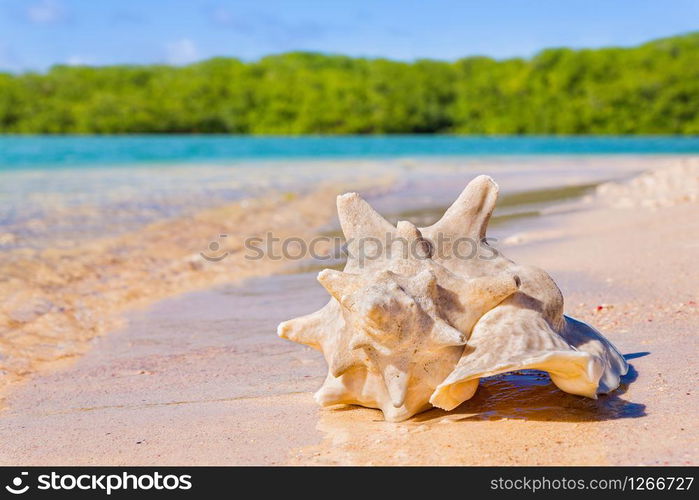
(79, 248)
(57, 299)
(242, 235)
(201, 377)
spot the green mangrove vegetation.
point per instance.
(649, 89)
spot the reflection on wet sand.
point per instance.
(509, 414)
(530, 395)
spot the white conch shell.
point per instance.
(409, 327)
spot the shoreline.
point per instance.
(60, 291)
(202, 378)
(58, 300)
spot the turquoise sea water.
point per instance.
(22, 152)
(66, 189)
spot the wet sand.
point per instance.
(202, 378)
(80, 247)
(56, 300)
(197, 379)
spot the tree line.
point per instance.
(649, 89)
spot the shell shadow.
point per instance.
(530, 395)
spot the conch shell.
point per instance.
(413, 323)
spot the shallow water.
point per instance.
(79, 245)
(60, 191)
(64, 207)
(52, 152)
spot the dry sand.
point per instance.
(632, 274)
(202, 378)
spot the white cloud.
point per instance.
(76, 60)
(183, 51)
(45, 12)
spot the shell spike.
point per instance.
(396, 380)
(304, 329)
(410, 242)
(358, 219)
(486, 292)
(470, 213)
(338, 283)
(446, 335)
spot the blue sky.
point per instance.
(35, 34)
